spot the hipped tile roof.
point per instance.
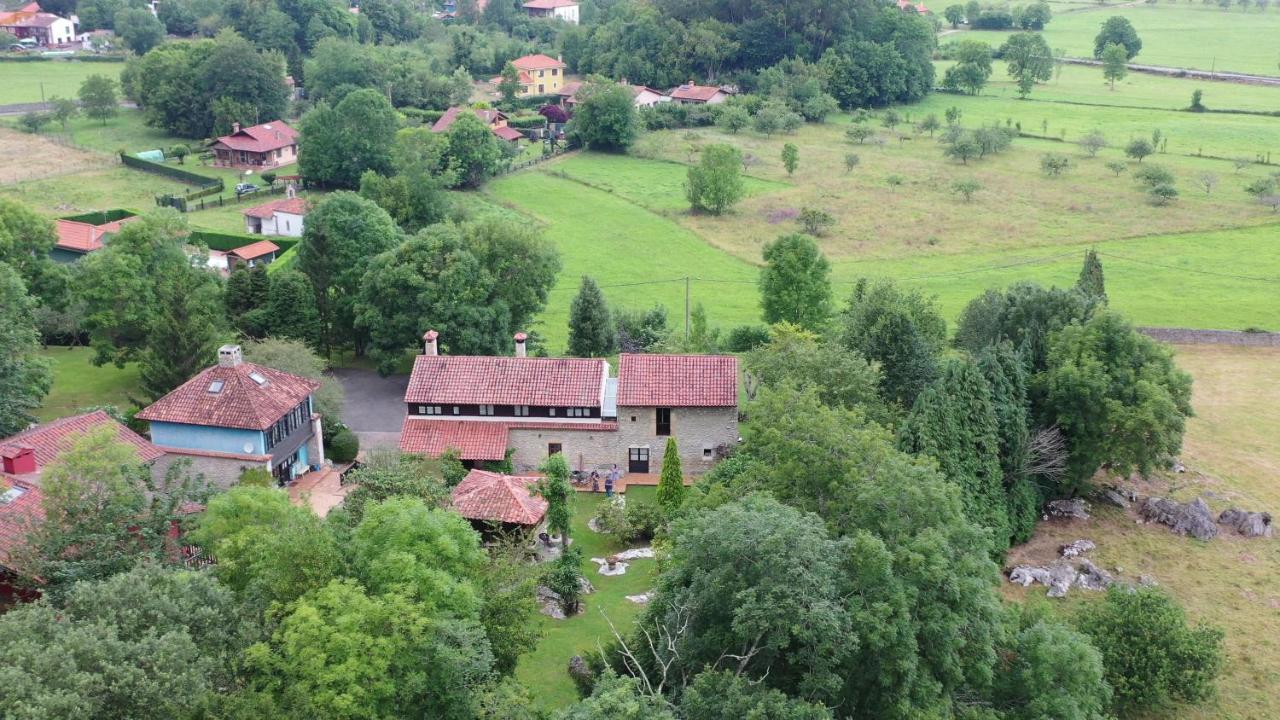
(241, 402)
(677, 380)
(496, 497)
(51, 439)
(260, 138)
(255, 250)
(468, 379)
(293, 206)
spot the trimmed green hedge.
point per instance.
(284, 260)
(226, 242)
(522, 123)
(178, 174)
(100, 217)
(423, 116)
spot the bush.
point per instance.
(611, 519)
(1162, 194)
(644, 519)
(815, 222)
(563, 577)
(256, 477)
(1054, 164)
(1153, 175)
(1151, 656)
(744, 338)
(1261, 186)
(344, 446)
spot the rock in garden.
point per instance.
(633, 553)
(549, 603)
(1147, 581)
(611, 565)
(1075, 508)
(1114, 497)
(1191, 518)
(1249, 524)
(1092, 577)
(1058, 578)
(1077, 548)
(579, 670)
(642, 598)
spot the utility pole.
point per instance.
(686, 309)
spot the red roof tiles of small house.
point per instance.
(477, 439)
(508, 133)
(293, 206)
(677, 380)
(49, 440)
(260, 138)
(21, 508)
(492, 380)
(240, 401)
(537, 62)
(569, 89)
(488, 117)
(255, 250)
(496, 497)
(83, 237)
(690, 91)
(549, 4)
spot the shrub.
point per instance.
(611, 519)
(553, 113)
(1092, 143)
(1054, 164)
(563, 577)
(744, 338)
(344, 446)
(1151, 656)
(815, 221)
(895, 180)
(257, 477)
(851, 161)
(1162, 194)
(643, 520)
(1261, 186)
(1153, 175)
(966, 188)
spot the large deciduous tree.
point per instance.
(24, 376)
(1117, 30)
(98, 98)
(795, 284)
(716, 184)
(842, 378)
(339, 144)
(972, 68)
(1029, 60)
(902, 330)
(474, 152)
(604, 117)
(293, 356)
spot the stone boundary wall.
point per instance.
(1184, 336)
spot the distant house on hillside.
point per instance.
(694, 94)
(31, 23)
(237, 415)
(262, 252)
(278, 217)
(917, 7)
(77, 238)
(566, 10)
(641, 96)
(264, 146)
(495, 119)
(539, 75)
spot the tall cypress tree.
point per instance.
(671, 487)
(1003, 368)
(591, 332)
(954, 422)
(1091, 281)
(183, 333)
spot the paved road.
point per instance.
(374, 407)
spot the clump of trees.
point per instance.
(715, 184)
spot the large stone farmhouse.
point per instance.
(485, 406)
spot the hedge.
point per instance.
(423, 116)
(41, 58)
(225, 242)
(284, 260)
(523, 123)
(100, 217)
(178, 174)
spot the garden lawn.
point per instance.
(78, 384)
(21, 82)
(125, 131)
(638, 257)
(1232, 459)
(544, 670)
(112, 186)
(1203, 37)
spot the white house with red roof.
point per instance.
(237, 415)
(264, 146)
(485, 407)
(46, 29)
(539, 75)
(641, 96)
(282, 218)
(693, 94)
(566, 10)
(491, 499)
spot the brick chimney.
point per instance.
(521, 350)
(18, 460)
(429, 342)
(235, 128)
(229, 356)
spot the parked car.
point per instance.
(243, 188)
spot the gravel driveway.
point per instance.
(374, 408)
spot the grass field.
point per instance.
(29, 82)
(78, 384)
(1232, 459)
(1198, 36)
(544, 670)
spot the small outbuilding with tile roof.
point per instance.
(493, 500)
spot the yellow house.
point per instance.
(539, 75)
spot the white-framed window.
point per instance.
(579, 412)
(551, 412)
(429, 410)
(486, 409)
(521, 410)
(456, 409)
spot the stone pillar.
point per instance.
(315, 446)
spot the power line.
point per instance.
(1191, 270)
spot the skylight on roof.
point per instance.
(215, 387)
(10, 495)
(258, 378)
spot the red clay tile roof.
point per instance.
(498, 498)
(468, 379)
(293, 206)
(255, 250)
(51, 439)
(476, 439)
(697, 93)
(569, 89)
(260, 138)
(508, 133)
(549, 4)
(18, 515)
(241, 402)
(83, 237)
(488, 117)
(537, 62)
(677, 380)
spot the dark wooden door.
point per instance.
(638, 460)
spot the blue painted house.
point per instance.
(237, 415)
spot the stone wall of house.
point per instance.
(220, 473)
(702, 435)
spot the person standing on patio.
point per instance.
(609, 481)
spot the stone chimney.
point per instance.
(229, 356)
(521, 350)
(235, 128)
(430, 346)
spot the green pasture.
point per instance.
(24, 82)
(78, 384)
(654, 184)
(1199, 36)
(113, 186)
